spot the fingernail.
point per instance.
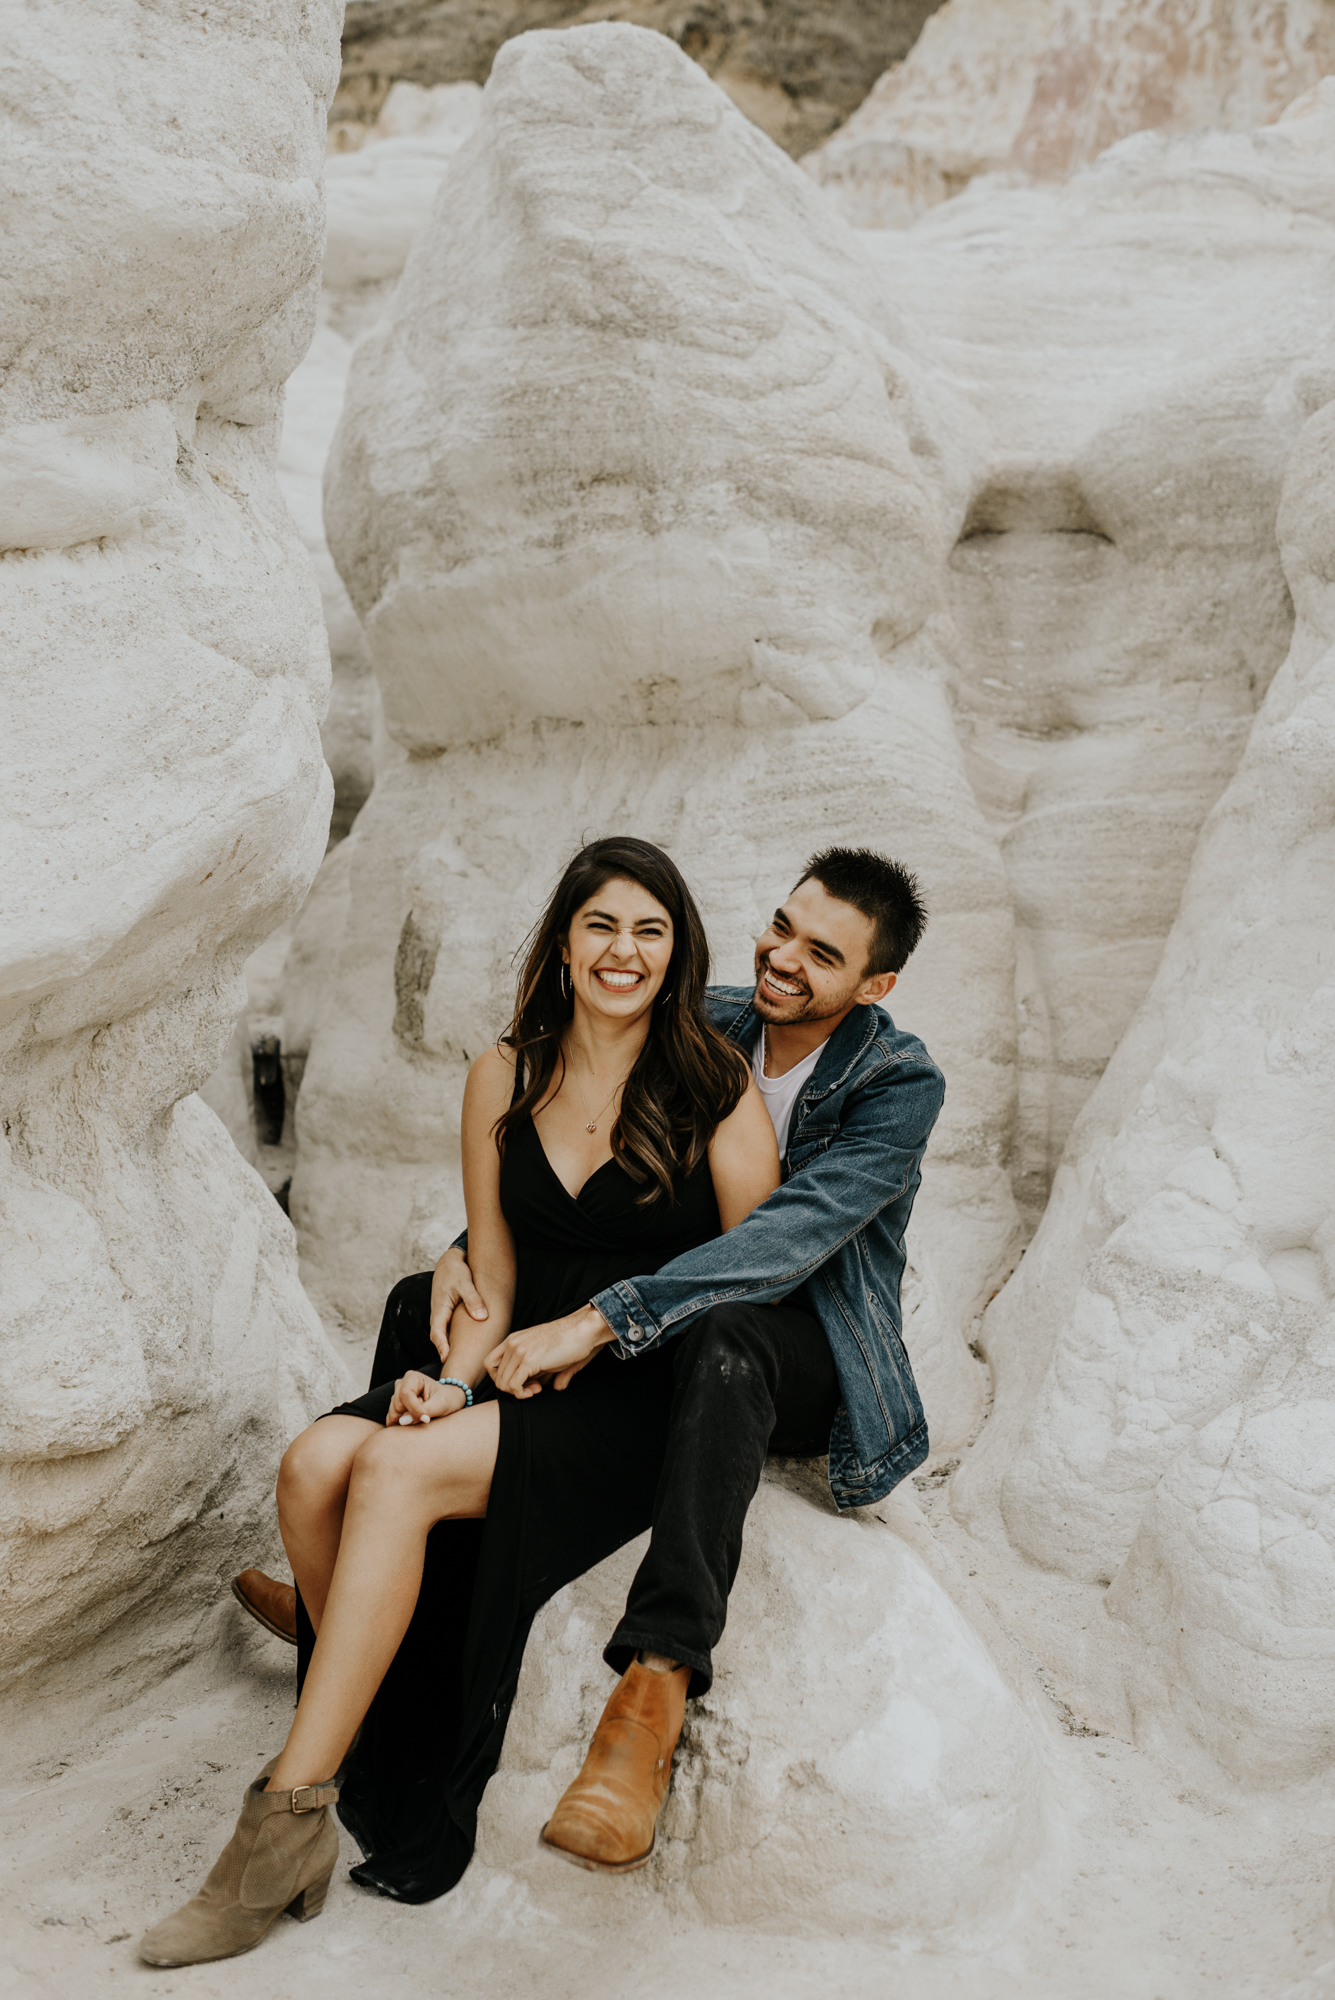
(426, 1416)
(405, 1420)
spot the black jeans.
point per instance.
(748, 1380)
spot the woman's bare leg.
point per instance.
(403, 1481)
(312, 1493)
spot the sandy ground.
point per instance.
(1159, 1892)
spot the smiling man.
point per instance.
(787, 1328)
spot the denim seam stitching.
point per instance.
(849, 1321)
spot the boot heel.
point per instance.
(217, 1923)
(311, 1900)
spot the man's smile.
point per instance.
(780, 986)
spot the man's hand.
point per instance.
(561, 1348)
(451, 1286)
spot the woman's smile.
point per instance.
(618, 947)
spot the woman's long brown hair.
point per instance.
(686, 1078)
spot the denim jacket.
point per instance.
(835, 1227)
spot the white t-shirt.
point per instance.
(780, 1092)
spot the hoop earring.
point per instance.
(565, 980)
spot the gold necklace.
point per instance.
(591, 1124)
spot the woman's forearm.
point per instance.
(463, 1345)
(471, 1341)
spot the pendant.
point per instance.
(590, 1128)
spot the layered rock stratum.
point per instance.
(1166, 1423)
(165, 669)
(796, 70)
(1034, 89)
(1141, 348)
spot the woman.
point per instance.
(610, 1130)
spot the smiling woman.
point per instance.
(609, 1131)
(620, 947)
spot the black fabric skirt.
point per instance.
(575, 1479)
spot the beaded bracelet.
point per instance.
(453, 1382)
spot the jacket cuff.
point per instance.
(634, 1328)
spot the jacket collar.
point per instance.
(841, 1052)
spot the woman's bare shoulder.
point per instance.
(491, 1076)
(749, 1108)
(498, 1060)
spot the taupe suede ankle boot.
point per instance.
(280, 1858)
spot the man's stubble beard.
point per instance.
(808, 1011)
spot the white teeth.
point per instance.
(781, 985)
(619, 978)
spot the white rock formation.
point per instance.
(1041, 87)
(646, 518)
(1117, 598)
(1166, 1353)
(165, 800)
(377, 198)
(890, 1784)
(1116, 592)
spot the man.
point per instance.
(787, 1328)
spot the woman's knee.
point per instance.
(313, 1470)
(384, 1468)
(412, 1475)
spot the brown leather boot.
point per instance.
(273, 1604)
(280, 1857)
(609, 1816)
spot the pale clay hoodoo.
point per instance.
(166, 803)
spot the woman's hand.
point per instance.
(451, 1286)
(561, 1348)
(417, 1399)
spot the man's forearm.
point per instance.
(787, 1238)
(638, 1311)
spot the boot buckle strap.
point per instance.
(308, 1798)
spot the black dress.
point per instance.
(575, 1479)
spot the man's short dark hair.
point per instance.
(883, 891)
